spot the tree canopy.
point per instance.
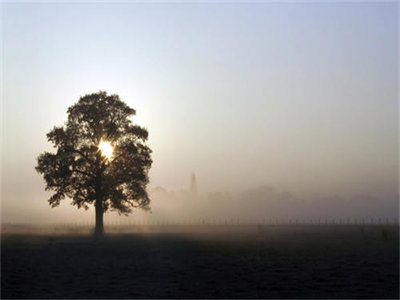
(80, 171)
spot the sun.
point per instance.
(106, 149)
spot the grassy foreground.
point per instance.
(211, 262)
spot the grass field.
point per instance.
(205, 262)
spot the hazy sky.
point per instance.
(300, 96)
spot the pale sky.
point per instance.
(302, 96)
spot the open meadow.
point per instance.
(247, 261)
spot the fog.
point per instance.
(282, 110)
(261, 204)
(268, 204)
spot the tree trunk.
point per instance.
(99, 229)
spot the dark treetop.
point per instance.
(79, 171)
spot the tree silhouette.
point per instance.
(83, 171)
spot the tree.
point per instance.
(101, 158)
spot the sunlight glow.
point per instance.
(106, 149)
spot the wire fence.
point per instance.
(203, 225)
(243, 222)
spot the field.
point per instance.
(303, 261)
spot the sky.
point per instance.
(299, 96)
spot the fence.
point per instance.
(243, 222)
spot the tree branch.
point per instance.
(82, 172)
(82, 154)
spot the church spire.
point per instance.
(193, 184)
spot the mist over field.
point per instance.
(261, 204)
(265, 203)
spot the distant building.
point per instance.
(193, 184)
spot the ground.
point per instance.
(294, 261)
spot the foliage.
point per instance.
(78, 170)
